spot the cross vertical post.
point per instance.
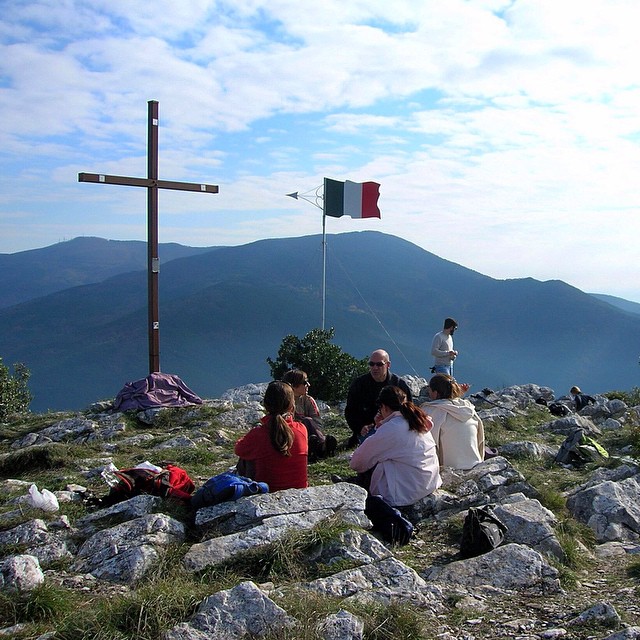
(152, 183)
(153, 261)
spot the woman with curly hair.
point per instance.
(277, 447)
(457, 429)
(400, 456)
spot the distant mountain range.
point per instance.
(224, 310)
(621, 303)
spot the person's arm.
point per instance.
(369, 452)
(436, 347)
(311, 407)
(246, 447)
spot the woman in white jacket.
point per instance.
(401, 454)
(457, 429)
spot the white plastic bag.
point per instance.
(108, 476)
(44, 499)
(148, 465)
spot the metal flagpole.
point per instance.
(324, 266)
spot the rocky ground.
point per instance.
(604, 580)
(589, 592)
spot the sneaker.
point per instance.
(336, 478)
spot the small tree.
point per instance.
(14, 394)
(330, 370)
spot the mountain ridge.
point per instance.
(223, 312)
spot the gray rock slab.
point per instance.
(384, 582)
(126, 552)
(244, 611)
(120, 512)
(217, 550)
(20, 573)
(611, 509)
(510, 567)
(345, 499)
(529, 523)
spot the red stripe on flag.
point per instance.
(370, 195)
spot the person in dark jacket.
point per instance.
(581, 399)
(363, 393)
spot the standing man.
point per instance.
(442, 348)
(363, 393)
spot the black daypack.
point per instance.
(558, 409)
(388, 521)
(482, 531)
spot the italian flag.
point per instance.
(355, 199)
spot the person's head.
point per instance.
(391, 399)
(450, 325)
(379, 365)
(278, 398)
(279, 401)
(574, 390)
(444, 387)
(298, 381)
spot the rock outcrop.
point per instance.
(123, 543)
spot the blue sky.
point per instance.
(505, 134)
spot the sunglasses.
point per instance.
(377, 364)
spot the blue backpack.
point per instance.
(226, 486)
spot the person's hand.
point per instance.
(465, 386)
(366, 429)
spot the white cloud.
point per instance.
(504, 132)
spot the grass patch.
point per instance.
(25, 462)
(633, 570)
(46, 603)
(381, 622)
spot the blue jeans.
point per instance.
(443, 368)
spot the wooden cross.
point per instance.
(153, 184)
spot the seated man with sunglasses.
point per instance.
(363, 393)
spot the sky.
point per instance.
(505, 134)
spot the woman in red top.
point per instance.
(278, 445)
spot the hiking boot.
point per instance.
(352, 442)
(330, 446)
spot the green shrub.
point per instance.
(630, 398)
(330, 370)
(15, 397)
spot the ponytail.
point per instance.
(278, 402)
(396, 399)
(280, 435)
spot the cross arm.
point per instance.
(146, 182)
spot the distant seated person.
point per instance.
(363, 394)
(399, 461)
(457, 429)
(581, 399)
(276, 449)
(307, 412)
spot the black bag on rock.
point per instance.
(482, 532)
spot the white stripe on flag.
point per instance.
(353, 199)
